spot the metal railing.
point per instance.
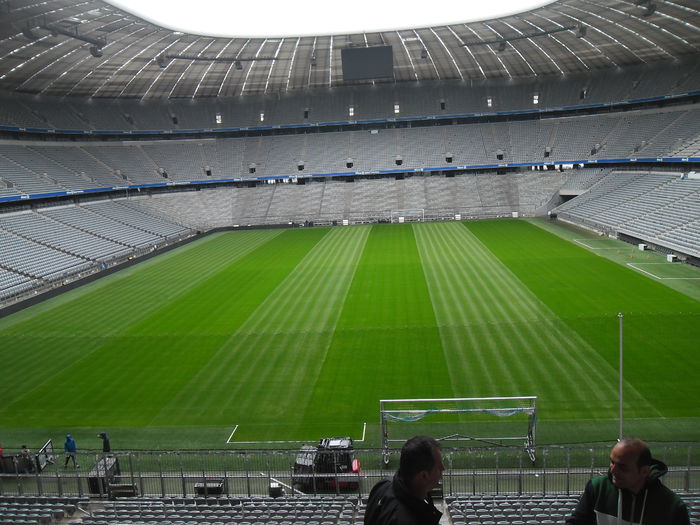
(249, 473)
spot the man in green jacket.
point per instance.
(631, 492)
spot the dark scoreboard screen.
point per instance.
(367, 63)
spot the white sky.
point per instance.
(246, 18)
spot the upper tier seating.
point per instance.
(318, 106)
(33, 169)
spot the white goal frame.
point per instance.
(408, 215)
(412, 410)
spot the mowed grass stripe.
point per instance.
(145, 287)
(602, 375)
(132, 374)
(462, 305)
(565, 350)
(661, 326)
(480, 330)
(260, 377)
(55, 336)
(519, 345)
(386, 344)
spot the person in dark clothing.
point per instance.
(24, 459)
(631, 492)
(105, 442)
(405, 499)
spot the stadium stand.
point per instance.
(83, 218)
(568, 139)
(34, 161)
(341, 168)
(38, 510)
(299, 510)
(36, 260)
(475, 509)
(62, 237)
(514, 509)
(127, 161)
(13, 283)
(579, 181)
(78, 162)
(639, 204)
(510, 509)
(554, 92)
(365, 200)
(49, 246)
(661, 208)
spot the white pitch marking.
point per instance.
(662, 278)
(580, 241)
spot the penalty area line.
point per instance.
(364, 430)
(232, 433)
(644, 271)
(633, 265)
(636, 267)
(580, 241)
(283, 442)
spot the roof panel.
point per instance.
(36, 58)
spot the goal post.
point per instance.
(460, 420)
(408, 215)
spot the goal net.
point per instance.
(480, 420)
(409, 215)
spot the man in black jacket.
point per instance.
(631, 491)
(106, 448)
(405, 500)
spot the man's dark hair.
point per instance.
(417, 456)
(644, 457)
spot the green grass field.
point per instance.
(297, 334)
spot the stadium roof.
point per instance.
(312, 17)
(90, 48)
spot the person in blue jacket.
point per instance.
(71, 450)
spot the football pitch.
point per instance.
(284, 335)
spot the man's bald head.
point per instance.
(630, 463)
